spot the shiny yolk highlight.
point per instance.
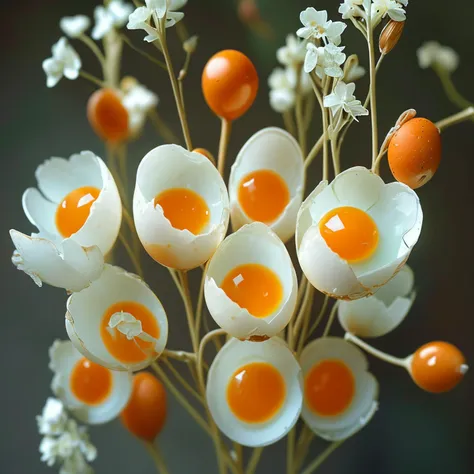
(123, 349)
(329, 388)
(74, 210)
(263, 195)
(255, 288)
(184, 208)
(256, 392)
(90, 382)
(349, 232)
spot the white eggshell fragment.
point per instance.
(167, 167)
(364, 403)
(253, 243)
(396, 211)
(276, 150)
(230, 358)
(86, 309)
(377, 315)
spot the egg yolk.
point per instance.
(123, 349)
(263, 195)
(90, 382)
(349, 232)
(255, 288)
(256, 392)
(329, 388)
(74, 210)
(184, 208)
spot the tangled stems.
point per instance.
(373, 94)
(322, 457)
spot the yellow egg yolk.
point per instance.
(256, 392)
(263, 195)
(255, 288)
(184, 208)
(329, 388)
(90, 382)
(123, 349)
(349, 232)
(74, 210)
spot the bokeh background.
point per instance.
(414, 432)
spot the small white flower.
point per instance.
(74, 26)
(392, 8)
(433, 54)
(354, 73)
(316, 25)
(52, 420)
(64, 62)
(282, 84)
(351, 9)
(114, 15)
(343, 99)
(293, 53)
(326, 60)
(138, 101)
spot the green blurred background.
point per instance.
(413, 432)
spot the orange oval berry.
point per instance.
(414, 152)
(145, 413)
(206, 153)
(229, 84)
(438, 367)
(107, 116)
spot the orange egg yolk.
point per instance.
(184, 208)
(255, 288)
(349, 232)
(256, 392)
(123, 349)
(263, 195)
(90, 382)
(74, 210)
(329, 388)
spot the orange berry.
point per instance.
(229, 84)
(438, 367)
(145, 414)
(414, 152)
(206, 153)
(107, 116)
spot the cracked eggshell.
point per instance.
(364, 403)
(381, 313)
(167, 167)
(85, 311)
(235, 354)
(253, 243)
(276, 150)
(394, 207)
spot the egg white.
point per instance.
(85, 311)
(253, 243)
(231, 357)
(63, 358)
(364, 404)
(276, 150)
(167, 167)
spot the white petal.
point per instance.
(74, 26)
(136, 19)
(310, 60)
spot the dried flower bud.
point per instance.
(190, 44)
(390, 36)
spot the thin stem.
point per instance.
(317, 321)
(254, 460)
(290, 451)
(200, 354)
(332, 315)
(183, 381)
(189, 311)
(303, 313)
(301, 126)
(315, 150)
(94, 48)
(91, 78)
(289, 122)
(450, 89)
(140, 51)
(131, 255)
(373, 88)
(182, 356)
(335, 157)
(162, 127)
(240, 457)
(375, 352)
(226, 128)
(155, 453)
(200, 302)
(302, 446)
(322, 457)
(467, 114)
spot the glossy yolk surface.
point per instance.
(263, 195)
(255, 288)
(74, 210)
(90, 382)
(329, 388)
(184, 208)
(256, 392)
(349, 232)
(123, 349)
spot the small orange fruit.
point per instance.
(438, 367)
(229, 84)
(145, 414)
(414, 152)
(108, 116)
(206, 153)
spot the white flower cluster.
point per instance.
(158, 10)
(352, 9)
(433, 54)
(64, 442)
